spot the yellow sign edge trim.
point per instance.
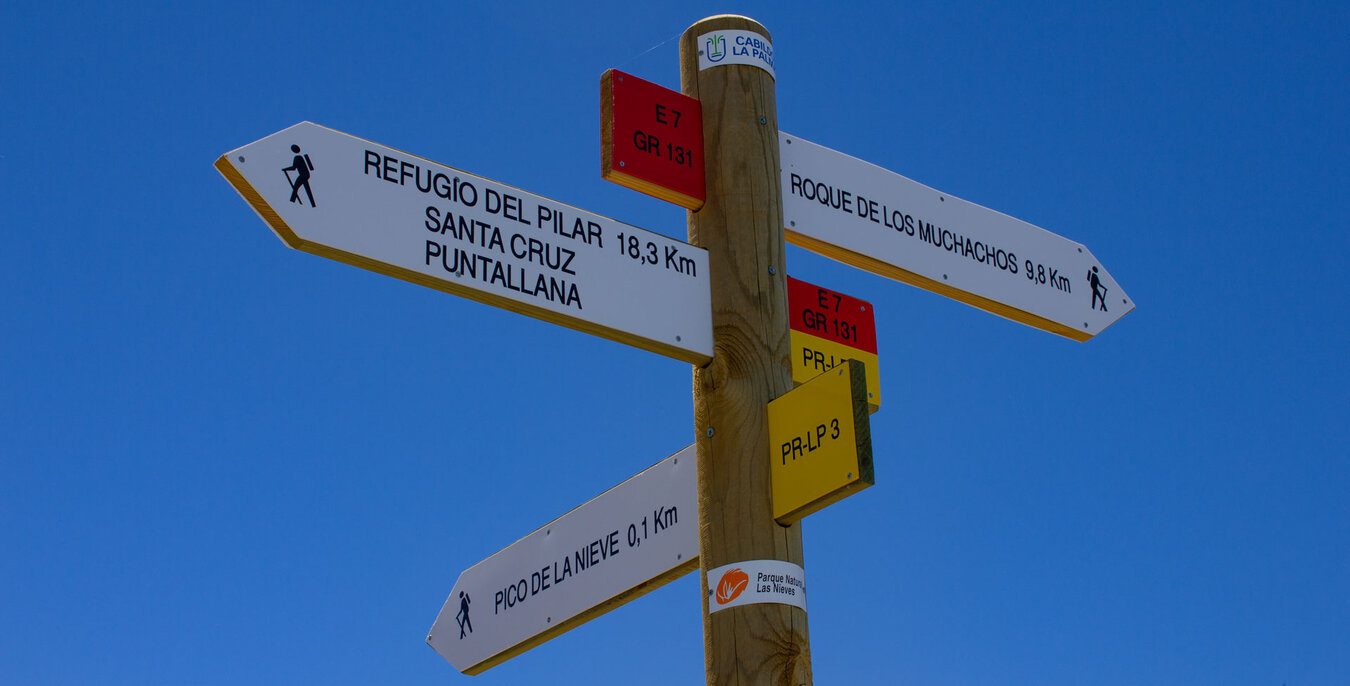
(655, 190)
(872, 264)
(595, 611)
(289, 237)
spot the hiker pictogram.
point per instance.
(1098, 289)
(463, 615)
(302, 166)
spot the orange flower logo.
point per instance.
(732, 584)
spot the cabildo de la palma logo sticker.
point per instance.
(756, 581)
(735, 47)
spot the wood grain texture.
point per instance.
(606, 123)
(741, 225)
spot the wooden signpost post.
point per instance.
(764, 454)
(726, 63)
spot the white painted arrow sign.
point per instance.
(880, 221)
(347, 199)
(627, 541)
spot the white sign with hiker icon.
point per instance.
(880, 221)
(625, 542)
(348, 199)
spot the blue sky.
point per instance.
(223, 461)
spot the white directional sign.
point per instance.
(877, 220)
(347, 199)
(629, 540)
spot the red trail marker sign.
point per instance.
(828, 327)
(651, 139)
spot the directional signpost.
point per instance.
(350, 200)
(863, 215)
(629, 540)
(765, 455)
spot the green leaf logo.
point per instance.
(717, 47)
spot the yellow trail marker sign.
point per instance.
(821, 442)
